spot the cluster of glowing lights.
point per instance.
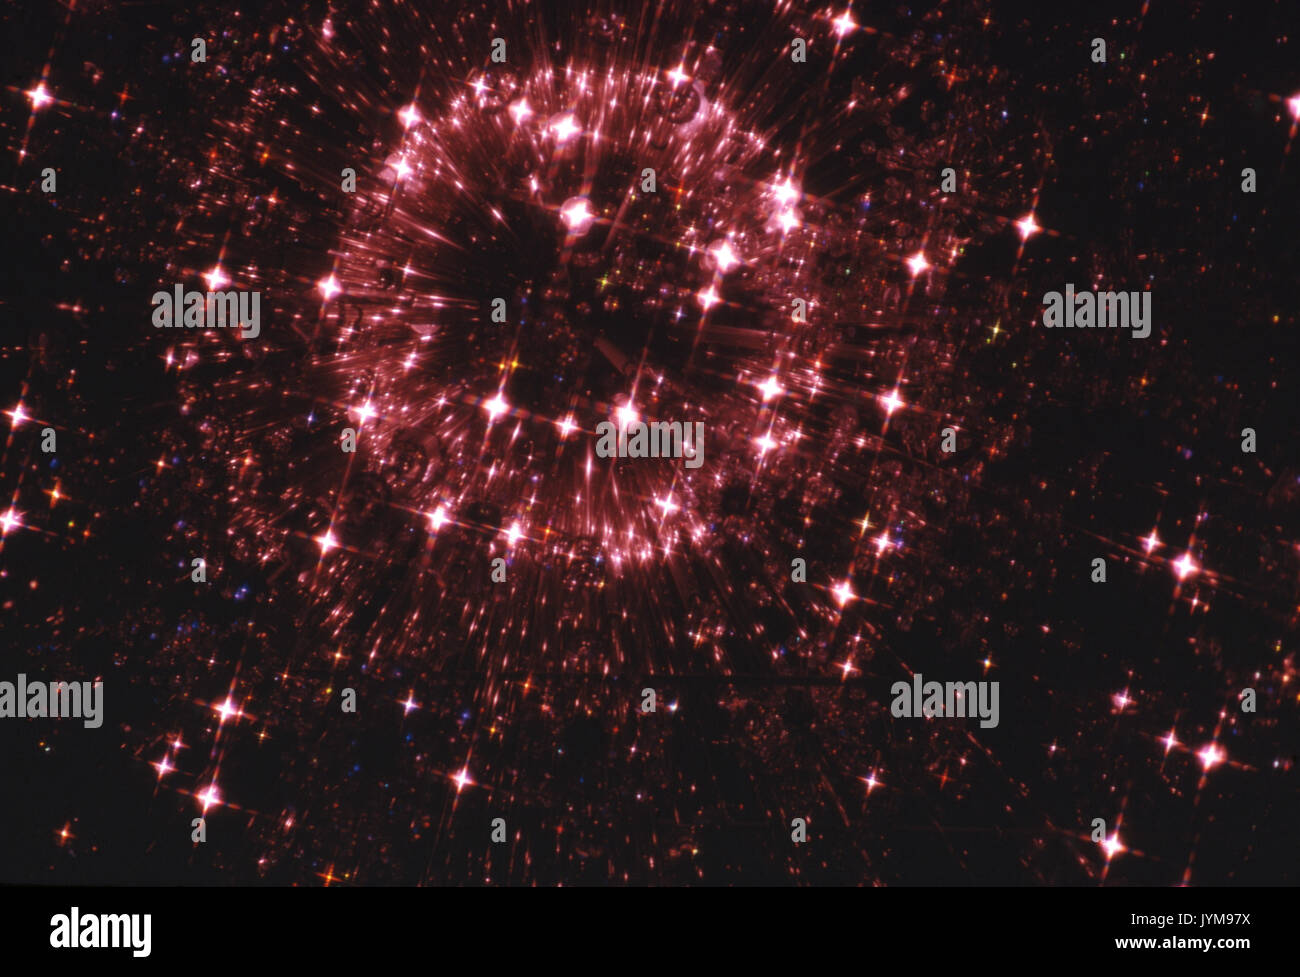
(578, 217)
(786, 195)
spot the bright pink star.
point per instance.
(891, 402)
(216, 278)
(564, 128)
(1211, 755)
(1027, 227)
(1185, 566)
(520, 111)
(329, 287)
(577, 215)
(210, 796)
(626, 415)
(724, 256)
(226, 710)
(786, 192)
(496, 406)
(9, 521)
(40, 96)
(409, 115)
(843, 23)
(843, 593)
